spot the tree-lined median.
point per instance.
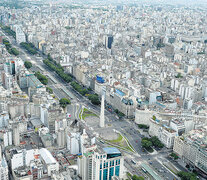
(53, 65)
(29, 47)
(64, 102)
(43, 79)
(8, 30)
(9, 48)
(58, 69)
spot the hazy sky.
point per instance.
(144, 1)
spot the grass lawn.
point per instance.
(80, 115)
(86, 113)
(121, 143)
(119, 139)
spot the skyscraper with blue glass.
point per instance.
(101, 164)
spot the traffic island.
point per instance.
(118, 140)
(86, 113)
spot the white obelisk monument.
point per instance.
(102, 117)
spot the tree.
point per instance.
(156, 142)
(64, 102)
(179, 75)
(28, 64)
(89, 89)
(49, 90)
(84, 92)
(79, 88)
(146, 144)
(135, 177)
(94, 99)
(6, 41)
(187, 175)
(8, 45)
(29, 47)
(174, 156)
(8, 30)
(14, 51)
(43, 79)
(143, 126)
(120, 114)
(9, 48)
(49, 57)
(58, 69)
(116, 111)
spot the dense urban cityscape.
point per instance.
(103, 90)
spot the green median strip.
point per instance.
(86, 113)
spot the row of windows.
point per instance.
(118, 162)
(111, 173)
(101, 156)
(105, 174)
(111, 163)
(117, 170)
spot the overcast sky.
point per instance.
(146, 1)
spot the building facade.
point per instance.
(101, 164)
(192, 149)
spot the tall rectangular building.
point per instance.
(20, 35)
(108, 41)
(16, 136)
(101, 164)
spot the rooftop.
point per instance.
(197, 137)
(111, 150)
(47, 156)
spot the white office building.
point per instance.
(4, 118)
(25, 157)
(164, 133)
(143, 116)
(73, 142)
(51, 163)
(16, 135)
(44, 115)
(20, 35)
(61, 138)
(22, 158)
(7, 138)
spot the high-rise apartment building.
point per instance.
(20, 35)
(108, 41)
(61, 138)
(101, 164)
(16, 136)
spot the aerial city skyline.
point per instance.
(103, 90)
